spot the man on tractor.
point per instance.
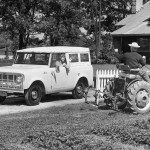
(132, 87)
(134, 60)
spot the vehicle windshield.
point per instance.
(32, 58)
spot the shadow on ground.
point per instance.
(48, 98)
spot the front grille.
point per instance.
(8, 81)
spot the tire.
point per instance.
(33, 95)
(138, 95)
(78, 90)
(109, 91)
(2, 99)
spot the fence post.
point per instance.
(101, 80)
(97, 78)
(103, 76)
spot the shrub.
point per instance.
(54, 140)
(62, 140)
(137, 133)
(5, 61)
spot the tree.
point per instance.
(19, 18)
(61, 21)
(103, 16)
(111, 12)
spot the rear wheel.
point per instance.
(108, 92)
(33, 95)
(78, 90)
(139, 96)
(2, 99)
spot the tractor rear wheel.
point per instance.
(138, 95)
(108, 92)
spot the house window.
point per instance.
(144, 43)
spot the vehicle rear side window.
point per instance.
(32, 58)
(84, 57)
(73, 58)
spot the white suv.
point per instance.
(34, 73)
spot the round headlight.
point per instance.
(19, 79)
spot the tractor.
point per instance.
(128, 89)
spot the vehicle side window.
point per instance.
(54, 59)
(20, 58)
(84, 57)
(39, 59)
(73, 57)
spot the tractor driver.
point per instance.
(134, 60)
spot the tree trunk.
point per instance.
(21, 43)
(23, 40)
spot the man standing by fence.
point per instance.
(134, 60)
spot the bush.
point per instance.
(106, 55)
(64, 140)
(54, 140)
(136, 133)
(4, 61)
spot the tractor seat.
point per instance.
(127, 68)
(125, 71)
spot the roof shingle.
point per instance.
(136, 23)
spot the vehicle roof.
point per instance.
(54, 49)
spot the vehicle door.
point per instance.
(74, 71)
(59, 76)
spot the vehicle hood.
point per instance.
(22, 68)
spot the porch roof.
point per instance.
(135, 24)
(140, 29)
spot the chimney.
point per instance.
(136, 5)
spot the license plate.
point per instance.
(2, 93)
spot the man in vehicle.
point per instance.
(134, 60)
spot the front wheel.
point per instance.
(139, 96)
(78, 90)
(33, 95)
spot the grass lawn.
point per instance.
(75, 127)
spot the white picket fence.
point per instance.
(103, 76)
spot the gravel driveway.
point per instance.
(17, 104)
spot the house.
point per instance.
(134, 28)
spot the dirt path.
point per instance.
(17, 104)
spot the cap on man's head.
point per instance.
(134, 44)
